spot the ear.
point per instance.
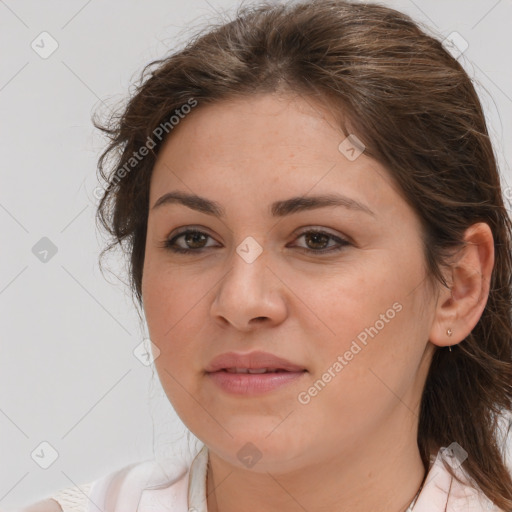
(460, 306)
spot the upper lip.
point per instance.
(251, 360)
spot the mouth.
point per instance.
(253, 362)
(257, 370)
(253, 373)
(258, 373)
(253, 381)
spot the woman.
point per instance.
(318, 239)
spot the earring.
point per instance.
(449, 332)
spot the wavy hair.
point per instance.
(418, 114)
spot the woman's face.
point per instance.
(349, 307)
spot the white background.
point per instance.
(68, 373)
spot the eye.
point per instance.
(197, 239)
(191, 236)
(318, 238)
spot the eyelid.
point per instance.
(186, 229)
(297, 232)
(337, 235)
(341, 241)
(327, 231)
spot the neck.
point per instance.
(382, 473)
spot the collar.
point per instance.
(197, 482)
(440, 493)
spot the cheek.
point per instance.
(171, 311)
(376, 321)
(170, 296)
(171, 308)
(348, 302)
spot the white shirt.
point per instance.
(151, 486)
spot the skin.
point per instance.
(353, 446)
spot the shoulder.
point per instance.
(441, 492)
(124, 488)
(47, 505)
(72, 499)
(128, 488)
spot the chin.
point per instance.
(259, 447)
(258, 457)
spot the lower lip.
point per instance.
(253, 383)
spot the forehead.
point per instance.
(257, 147)
(268, 123)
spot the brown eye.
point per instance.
(316, 241)
(195, 238)
(319, 240)
(194, 241)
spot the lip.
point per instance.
(251, 360)
(252, 383)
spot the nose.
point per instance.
(249, 295)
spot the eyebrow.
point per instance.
(277, 209)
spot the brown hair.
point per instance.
(416, 111)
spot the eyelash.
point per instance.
(169, 243)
